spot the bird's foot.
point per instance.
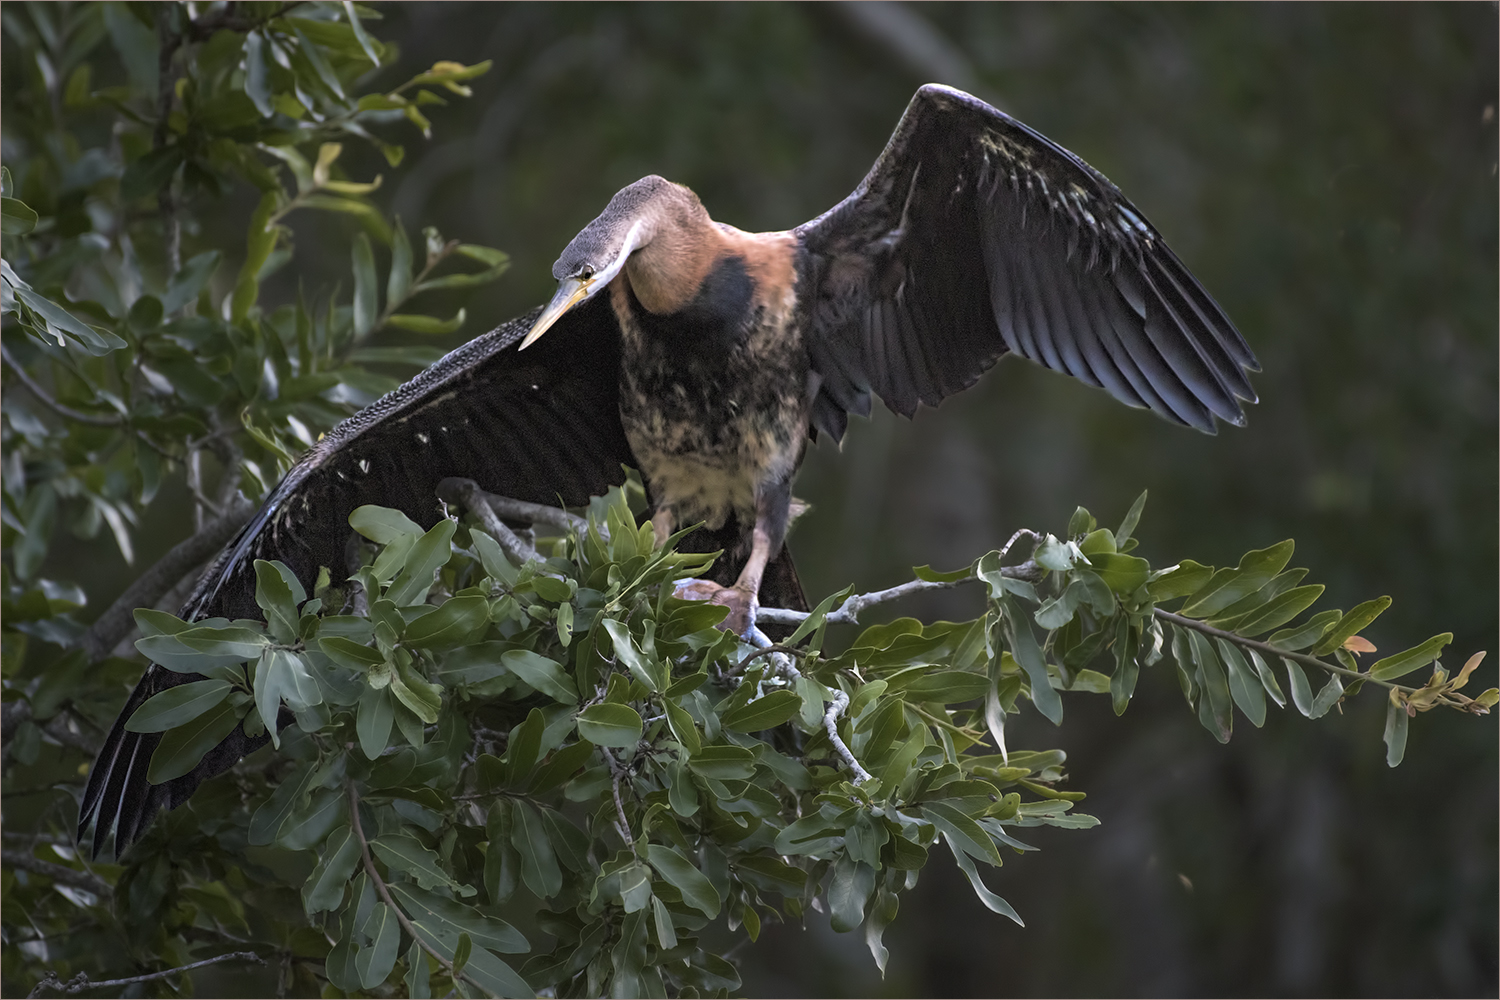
(740, 601)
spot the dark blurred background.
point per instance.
(1329, 173)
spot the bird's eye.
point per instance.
(586, 271)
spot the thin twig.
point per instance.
(1270, 650)
(118, 619)
(831, 723)
(46, 399)
(622, 825)
(57, 873)
(466, 493)
(848, 613)
(385, 894)
(81, 982)
(770, 650)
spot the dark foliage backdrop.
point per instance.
(1329, 172)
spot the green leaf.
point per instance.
(993, 902)
(278, 592)
(373, 721)
(1405, 662)
(459, 622)
(177, 706)
(1121, 573)
(325, 810)
(946, 686)
(348, 653)
(423, 698)
(488, 256)
(1302, 695)
(383, 525)
(1029, 655)
(696, 890)
(365, 42)
(611, 725)
(723, 762)
(59, 321)
(849, 889)
(1278, 611)
(547, 676)
(406, 853)
(1185, 578)
(1255, 570)
(962, 833)
(399, 283)
(447, 918)
(1395, 732)
(1267, 679)
(375, 961)
(428, 555)
(1353, 623)
(666, 934)
(937, 576)
(1132, 518)
(417, 323)
(1217, 718)
(1327, 697)
(1244, 685)
(188, 282)
(324, 888)
(267, 821)
(366, 304)
(539, 869)
(684, 730)
(257, 82)
(1301, 636)
(182, 748)
(16, 217)
(647, 673)
(765, 712)
(461, 953)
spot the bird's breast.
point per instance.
(713, 397)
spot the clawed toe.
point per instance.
(741, 603)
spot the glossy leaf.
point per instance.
(177, 706)
(696, 890)
(182, 748)
(610, 725)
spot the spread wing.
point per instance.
(974, 235)
(539, 426)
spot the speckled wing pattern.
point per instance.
(542, 425)
(974, 235)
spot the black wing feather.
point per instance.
(542, 425)
(974, 235)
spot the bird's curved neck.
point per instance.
(667, 271)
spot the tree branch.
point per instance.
(46, 399)
(57, 873)
(622, 825)
(469, 495)
(117, 620)
(385, 894)
(1270, 650)
(848, 613)
(81, 982)
(831, 723)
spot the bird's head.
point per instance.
(635, 217)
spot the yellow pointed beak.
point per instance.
(570, 292)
